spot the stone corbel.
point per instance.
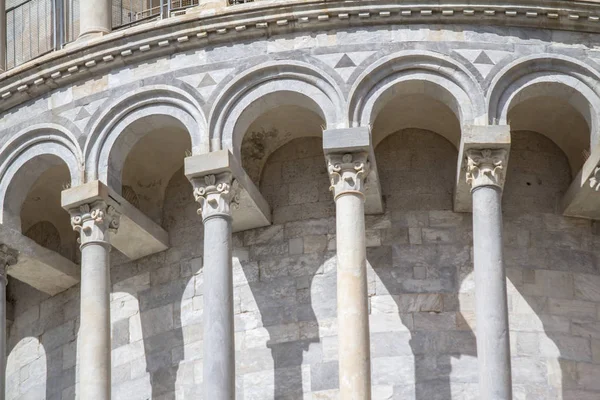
(221, 185)
(482, 160)
(39, 267)
(138, 236)
(357, 142)
(582, 199)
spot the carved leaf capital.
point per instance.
(216, 194)
(594, 180)
(8, 257)
(486, 167)
(347, 172)
(94, 221)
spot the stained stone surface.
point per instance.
(420, 291)
(420, 273)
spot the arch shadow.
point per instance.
(285, 271)
(425, 252)
(165, 327)
(43, 338)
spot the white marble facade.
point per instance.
(304, 200)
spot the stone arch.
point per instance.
(416, 72)
(106, 150)
(265, 87)
(37, 148)
(558, 77)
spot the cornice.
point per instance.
(201, 27)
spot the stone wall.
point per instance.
(420, 286)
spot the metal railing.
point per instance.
(37, 27)
(30, 30)
(130, 12)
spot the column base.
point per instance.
(89, 36)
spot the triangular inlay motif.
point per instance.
(345, 62)
(483, 58)
(82, 114)
(207, 81)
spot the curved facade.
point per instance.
(387, 201)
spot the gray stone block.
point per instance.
(324, 376)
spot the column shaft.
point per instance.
(3, 336)
(3, 35)
(215, 193)
(493, 347)
(219, 348)
(7, 257)
(347, 173)
(94, 330)
(95, 221)
(353, 313)
(485, 174)
(95, 17)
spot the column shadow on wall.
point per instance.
(553, 274)
(553, 323)
(427, 308)
(160, 316)
(280, 304)
(172, 275)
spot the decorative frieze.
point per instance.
(95, 221)
(486, 167)
(347, 172)
(30, 74)
(216, 194)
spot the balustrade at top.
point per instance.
(130, 12)
(36, 27)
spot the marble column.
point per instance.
(7, 257)
(485, 174)
(95, 222)
(2, 35)
(216, 196)
(95, 17)
(347, 173)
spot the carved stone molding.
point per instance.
(8, 257)
(95, 221)
(347, 172)
(486, 167)
(199, 29)
(217, 194)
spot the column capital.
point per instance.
(95, 221)
(594, 179)
(348, 172)
(242, 200)
(8, 257)
(217, 194)
(486, 167)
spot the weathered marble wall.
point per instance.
(420, 287)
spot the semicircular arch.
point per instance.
(266, 87)
(556, 77)
(172, 103)
(38, 147)
(416, 72)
